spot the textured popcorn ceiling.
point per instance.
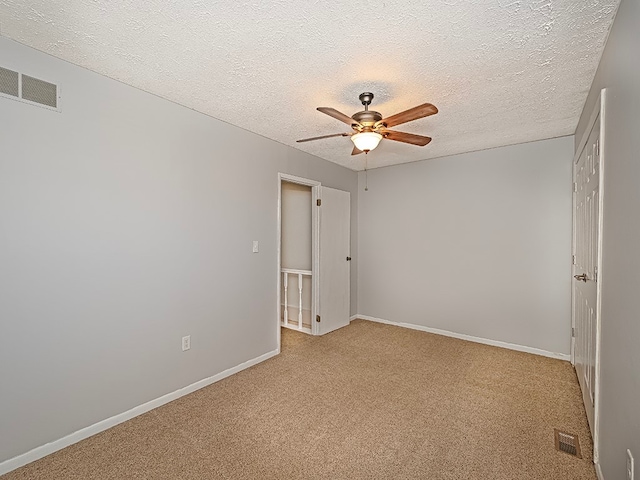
(500, 71)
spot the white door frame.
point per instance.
(598, 111)
(314, 247)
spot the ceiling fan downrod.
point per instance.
(366, 99)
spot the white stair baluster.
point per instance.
(286, 306)
(286, 315)
(300, 300)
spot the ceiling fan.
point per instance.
(369, 127)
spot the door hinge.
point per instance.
(573, 332)
(317, 318)
(575, 187)
(573, 259)
(595, 274)
(318, 203)
(598, 147)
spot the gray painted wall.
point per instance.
(126, 222)
(619, 72)
(477, 244)
(296, 226)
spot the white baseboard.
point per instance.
(462, 336)
(44, 450)
(599, 472)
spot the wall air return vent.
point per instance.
(39, 91)
(9, 82)
(28, 89)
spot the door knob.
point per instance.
(348, 259)
(582, 277)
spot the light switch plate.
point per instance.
(256, 246)
(630, 466)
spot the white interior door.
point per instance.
(585, 269)
(334, 255)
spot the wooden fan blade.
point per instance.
(332, 112)
(355, 151)
(414, 113)
(324, 136)
(411, 138)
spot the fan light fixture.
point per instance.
(369, 127)
(366, 141)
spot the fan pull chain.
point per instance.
(366, 177)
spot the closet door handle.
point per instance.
(348, 259)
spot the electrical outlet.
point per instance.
(629, 465)
(186, 343)
(256, 246)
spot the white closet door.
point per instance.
(585, 282)
(334, 272)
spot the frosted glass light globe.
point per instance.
(366, 141)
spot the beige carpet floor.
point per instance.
(367, 401)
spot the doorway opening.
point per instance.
(298, 255)
(296, 259)
(313, 294)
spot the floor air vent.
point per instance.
(567, 443)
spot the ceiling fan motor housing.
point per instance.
(367, 118)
